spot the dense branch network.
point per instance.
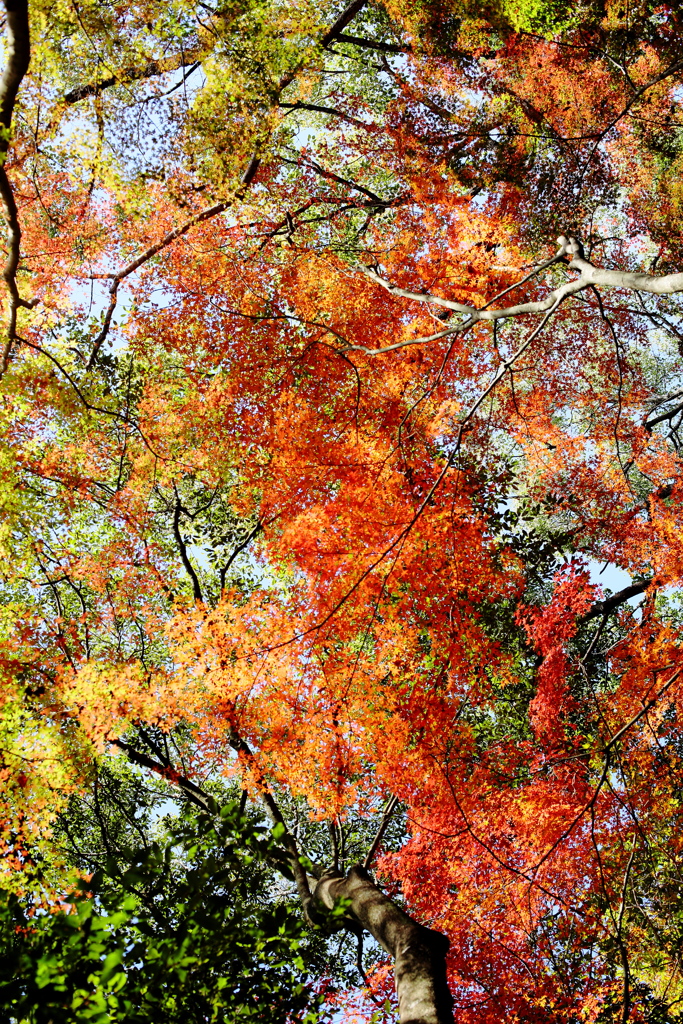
(417, 952)
(18, 62)
(196, 55)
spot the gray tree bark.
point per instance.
(419, 953)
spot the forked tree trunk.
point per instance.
(419, 953)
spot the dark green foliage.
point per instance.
(187, 929)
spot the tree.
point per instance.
(185, 927)
(316, 442)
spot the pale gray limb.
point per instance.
(570, 251)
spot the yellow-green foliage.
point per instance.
(456, 22)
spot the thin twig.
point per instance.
(622, 945)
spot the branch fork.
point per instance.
(570, 252)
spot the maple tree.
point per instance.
(315, 444)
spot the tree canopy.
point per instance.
(342, 386)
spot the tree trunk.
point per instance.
(419, 953)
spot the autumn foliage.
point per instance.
(252, 489)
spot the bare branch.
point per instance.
(196, 795)
(386, 818)
(371, 44)
(616, 600)
(152, 69)
(344, 19)
(570, 250)
(626, 1006)
(450, 461)
(331, 176)
(120, 275)
(606, 751)
(237, 550)
(123, 417)
(182, 548)
(669, 415)
(612, 742)
(148, 254)
(315, 107)
(201, 799)
(676, 67)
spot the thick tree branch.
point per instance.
(386, 818)
(419, 953)
(571, 251)
(663, 417)
(196, 795)
(317, 108)
(152, 69)
(182, 548)
(158, 66)
(18, 57)
(194, 55)
(371, 44)
(610, 604)
(344, 19)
